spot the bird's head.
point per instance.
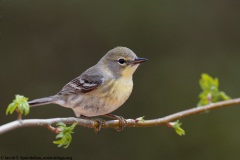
(121, 61)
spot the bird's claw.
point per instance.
(122, 123)
(100, 122)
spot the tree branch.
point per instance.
(115, 123)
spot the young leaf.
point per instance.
(210, 93)
(19, 103)
(177, 126)
(141, 119)
(64, 136)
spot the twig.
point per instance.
(114, 123)
(53, 129)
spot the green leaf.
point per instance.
(64, 136)
(19, 103)
(141, 119)
(177, 126)
(224, 96)
(60, 124)
(210, 90)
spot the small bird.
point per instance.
(102, 88)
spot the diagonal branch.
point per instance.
(115, 123)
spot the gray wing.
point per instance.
(83, 83)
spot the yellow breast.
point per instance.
(118, 93)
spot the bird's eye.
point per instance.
(121, 61)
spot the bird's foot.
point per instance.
(122, 121)
(100, 122)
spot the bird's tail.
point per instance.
(41, 101)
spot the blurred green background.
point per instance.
(45, 44)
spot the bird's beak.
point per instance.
(139, 60)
